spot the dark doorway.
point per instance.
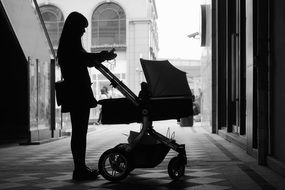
(236, 67)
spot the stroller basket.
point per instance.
(149, 156)
(123, 111)
(149, 153)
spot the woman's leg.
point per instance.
(79, 122)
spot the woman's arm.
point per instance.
(91, 59)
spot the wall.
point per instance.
(138, 30)
(27, 28)
(35, 66)
(278, 87)
(249, 77)
(14, 89)
(206, 71)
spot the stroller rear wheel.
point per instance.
(114, 165)
(176, 168)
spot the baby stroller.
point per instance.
(160, 99)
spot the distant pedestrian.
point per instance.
(104, 95)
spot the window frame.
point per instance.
(52, 9)
(120, 20)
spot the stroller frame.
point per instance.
(119, 157)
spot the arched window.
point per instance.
(108, 26)
(54, 21)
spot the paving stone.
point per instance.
(49, 166)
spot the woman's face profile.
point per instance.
(80, 32)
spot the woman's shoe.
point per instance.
(85, 174)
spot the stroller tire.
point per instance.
(114, 164)
(176, 168)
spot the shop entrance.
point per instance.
(236, 67)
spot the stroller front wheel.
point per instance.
(176, 168)
(114, 165)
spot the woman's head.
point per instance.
(73, 29)
(75, 23)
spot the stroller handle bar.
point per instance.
(115, 82)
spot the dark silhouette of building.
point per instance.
(245, 100)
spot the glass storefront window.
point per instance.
(39, 73)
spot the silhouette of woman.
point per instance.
(73, 61)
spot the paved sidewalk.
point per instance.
(213, 163)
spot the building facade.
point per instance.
(31, 30)
(242, 76)
(128, 26)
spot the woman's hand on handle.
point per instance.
(108, 55)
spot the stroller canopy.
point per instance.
(164, 79)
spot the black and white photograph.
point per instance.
(142, 95)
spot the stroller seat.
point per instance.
(123, 111)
